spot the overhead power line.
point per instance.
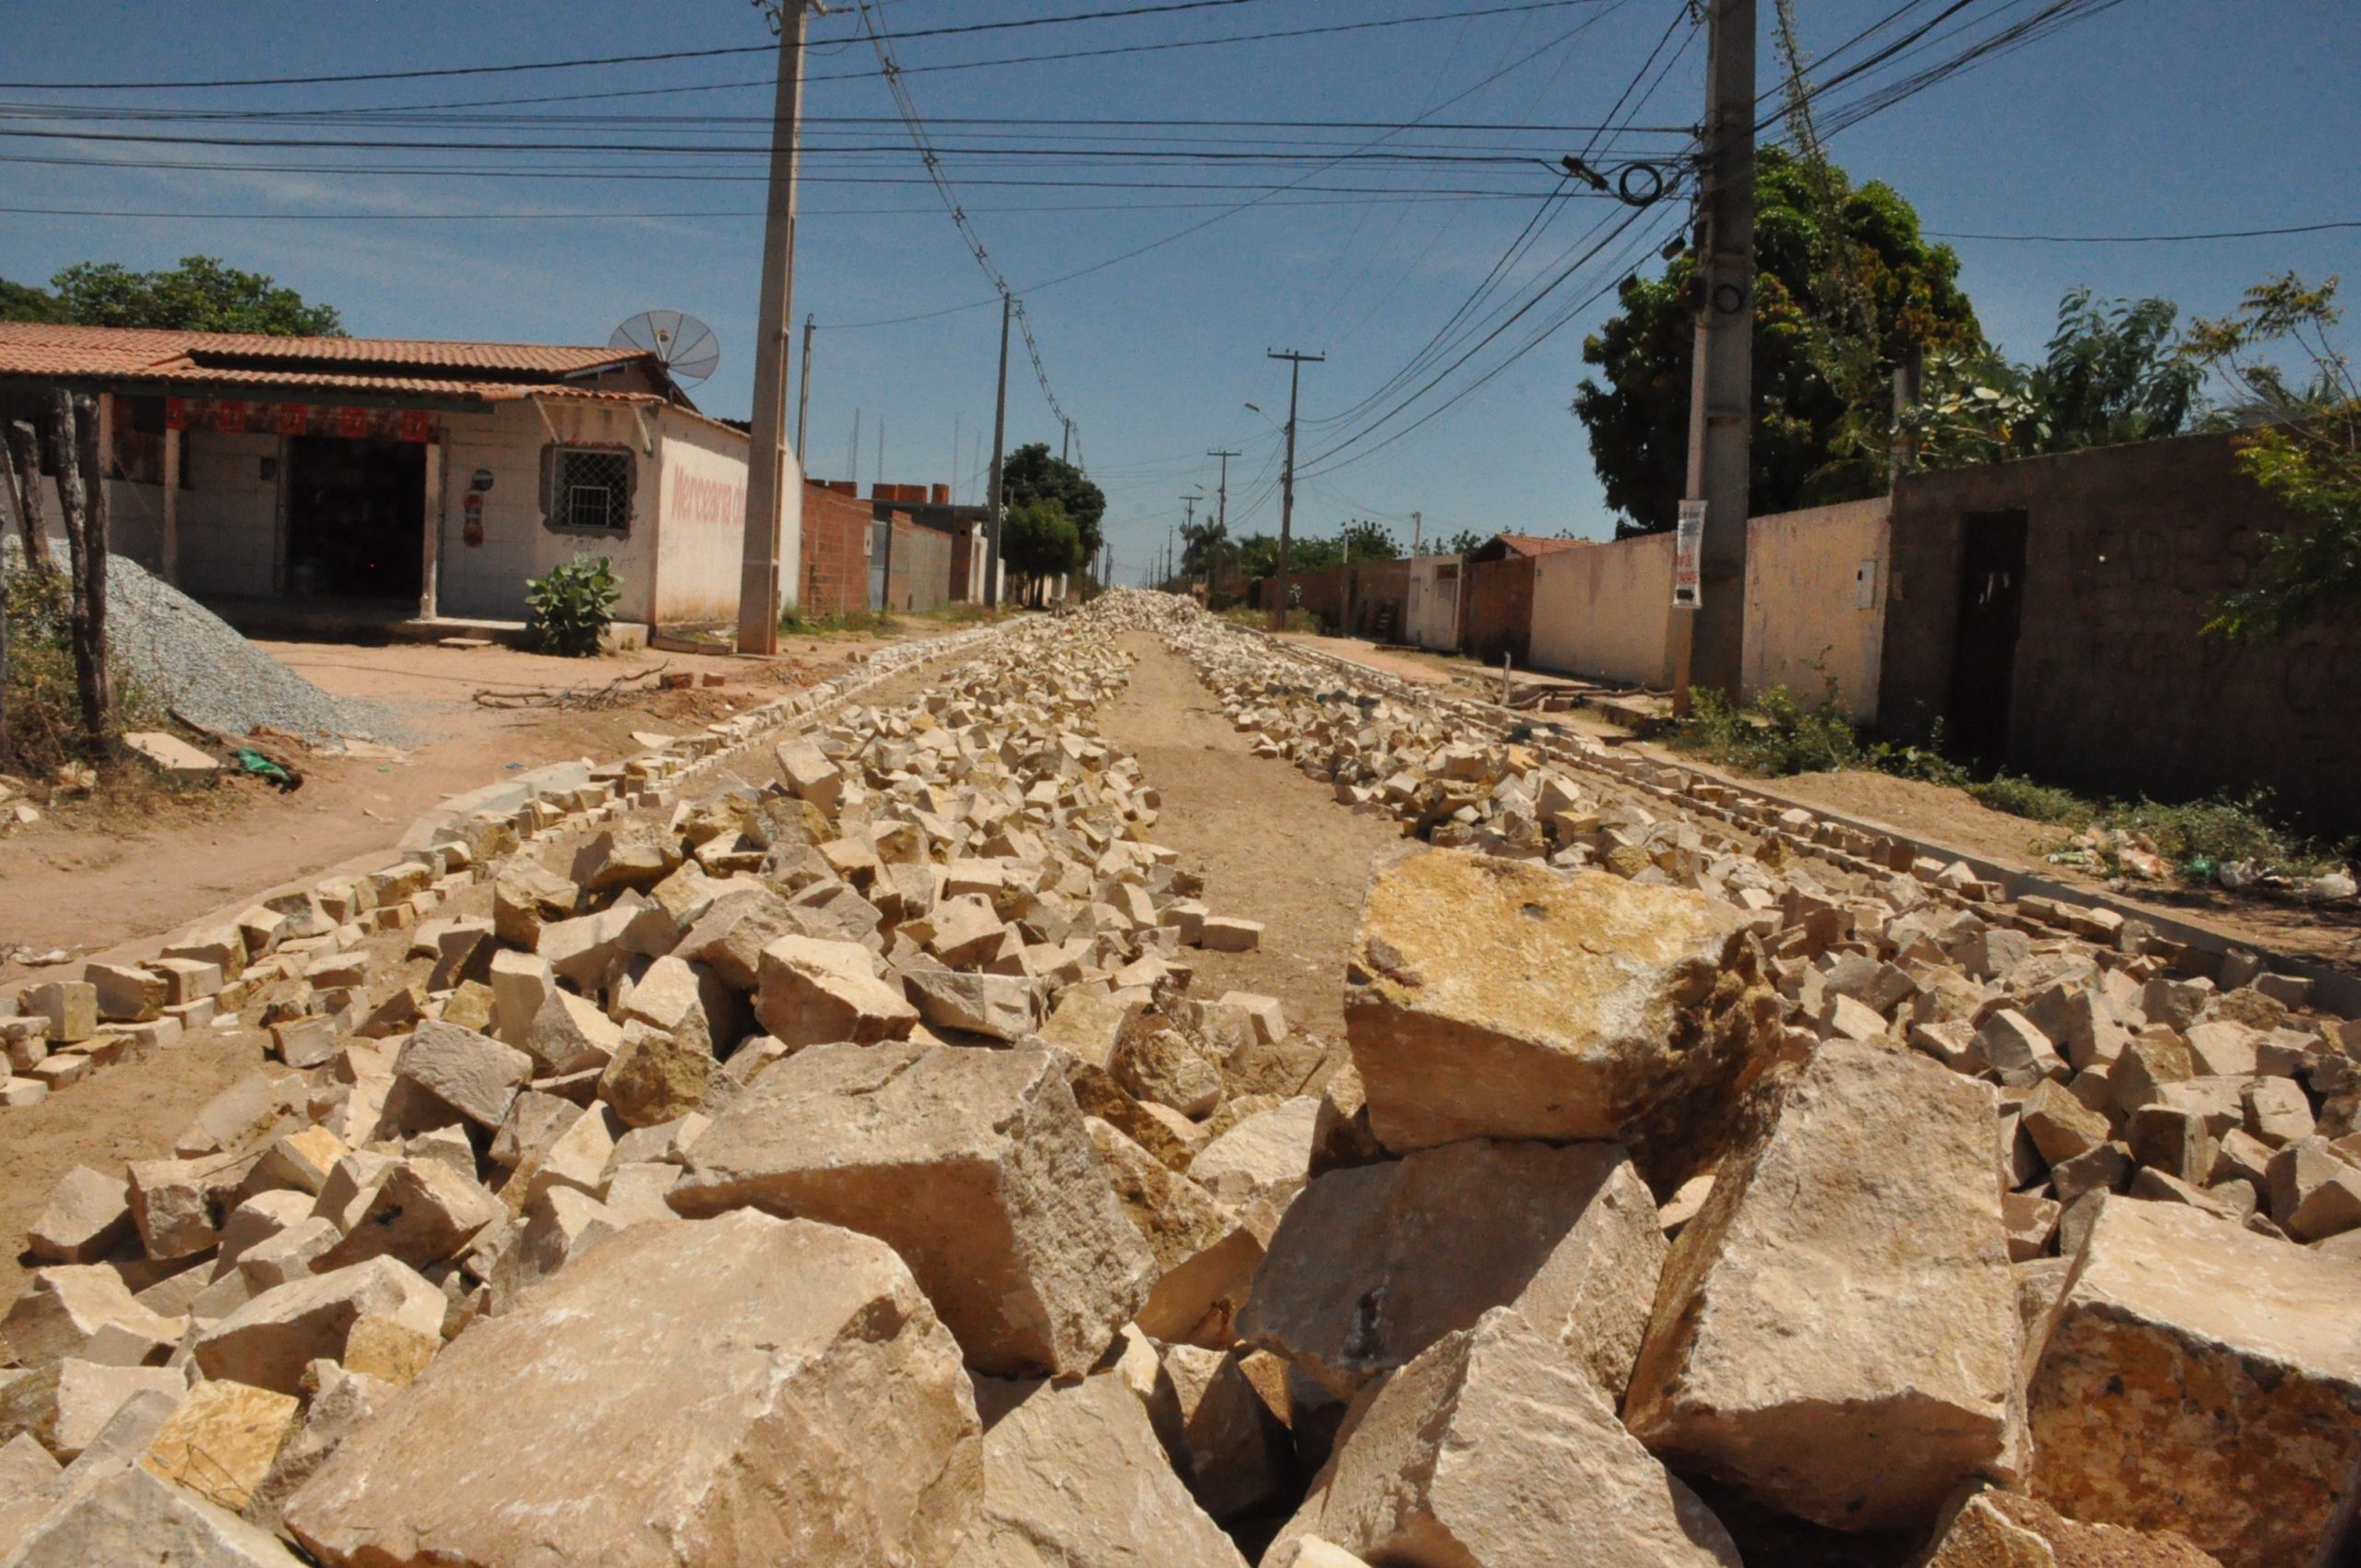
(596, 61)
(2151, 239)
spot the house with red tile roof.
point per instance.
(389, 481)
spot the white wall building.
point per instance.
(382, 481)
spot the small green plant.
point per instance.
(568, 612)
(44, 706)
(2035, 802)
(861, 622)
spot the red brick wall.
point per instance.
(835, 568)
(1499, 615)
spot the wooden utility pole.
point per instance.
(803, 392)
(760, 571)
(82, 502)
(1221, 522)
(1000, 442)
(1706, 642)
(1286, 480)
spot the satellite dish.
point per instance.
(684, 346)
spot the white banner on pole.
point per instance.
(1688, 556)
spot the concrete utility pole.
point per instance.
(1065, 440)
(1705, 644)
(1418, 528)
(1221, 522)
(1000, 442)
(759, 575)
(803, 391)
(1287, 481)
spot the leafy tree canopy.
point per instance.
(1037, 539)
(22, 302)
(2307, 457)
(199, 295)
(1826, 252)
(1362, 539)
(1032, 474)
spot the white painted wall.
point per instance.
(701, 545)
(229, 516)
(1431, 616)
(487, 581)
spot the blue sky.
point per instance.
(2155, 116)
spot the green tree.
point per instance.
(1466, 541)
(2115, 374)
(1366, 540)
(200, 295)
(22, 302)
(1877, 263)
(2307, 457)
(1038, 541)
(1032, 474)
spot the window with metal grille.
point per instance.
(588, 488)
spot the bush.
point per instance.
(2035, 802)
(1778, 735)
(568, 612)
(44, 701)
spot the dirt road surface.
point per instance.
(1273, 845)
(91, 878)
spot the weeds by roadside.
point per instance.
(854, 622)
(45, 706)
(1260, 620)
(2230, 839)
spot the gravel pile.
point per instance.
(210, 675)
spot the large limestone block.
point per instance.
(1495, 1450)
(1837, 1330)
(815, 991)
(1268, 1153)
(2203, 1379)
(67, 1405)
(473, 1074)
(1074, 1477)
(87, 1216)
(1374, 1265)
(974, 1164)
(221, 1440)
(743, 1392)
(131, 1517)
(1500, 999)
(86, 1312)
(2000, 1529)
(268, 1341)
(1205, 1253)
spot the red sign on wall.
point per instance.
(353, 422)
(411, 424)
(230, 417)
(176, 414)
(292, 418)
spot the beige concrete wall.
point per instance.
(700, 548)
(1601, 612)
(1815, 603)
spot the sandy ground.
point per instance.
(136, 1111)
(1273, 845)
(89, 879)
